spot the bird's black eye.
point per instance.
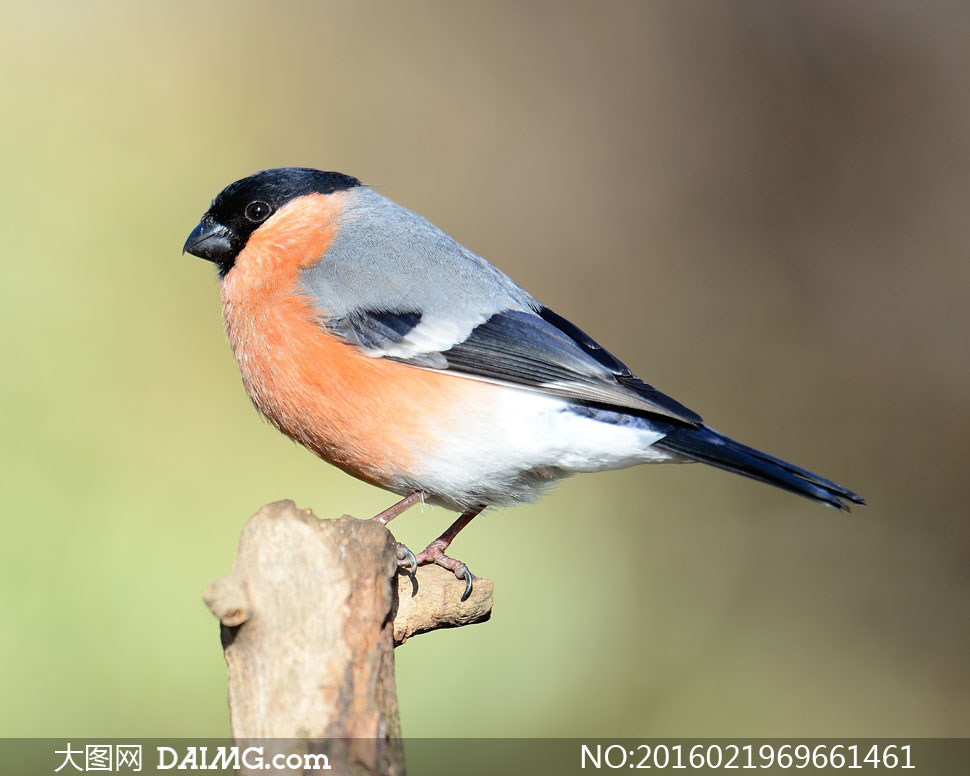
(257, 211)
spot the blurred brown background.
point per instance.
(759, 206)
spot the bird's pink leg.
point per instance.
(405, 558)
(401, 506)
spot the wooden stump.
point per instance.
(310, 618)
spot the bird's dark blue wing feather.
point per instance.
(620, 370)
(373, 329)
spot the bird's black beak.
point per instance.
(209, 240)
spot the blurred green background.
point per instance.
(761, 207)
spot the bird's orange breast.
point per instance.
(369, 416)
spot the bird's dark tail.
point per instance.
(708, 446)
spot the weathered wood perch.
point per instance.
(310, 618)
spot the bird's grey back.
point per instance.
(387, 258)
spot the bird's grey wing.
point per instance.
(397, 287)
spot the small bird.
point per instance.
(368, 335)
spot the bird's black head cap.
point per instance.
(241, 207)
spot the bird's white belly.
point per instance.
(521, 443)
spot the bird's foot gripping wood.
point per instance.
(435, 553)
(408, 562)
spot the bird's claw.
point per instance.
(462, 572)
(406, 561)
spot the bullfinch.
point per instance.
(367, 334)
